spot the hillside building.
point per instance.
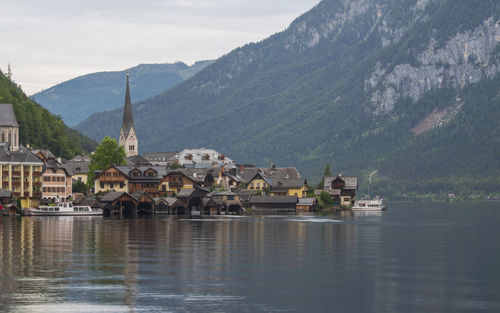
(128, 136)
(9, 128)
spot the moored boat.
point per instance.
(64, 209)
(369, 205)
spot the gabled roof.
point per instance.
(288, 182)
(247, 174)
(19, 157)
(137, 160)
(7, 115)
(77, 165)
(351, 182)
(55, 166)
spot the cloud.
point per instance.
(51, 41)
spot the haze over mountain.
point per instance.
(406, 87)
(78, 98)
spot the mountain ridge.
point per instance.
(81, 96)
(343, 80)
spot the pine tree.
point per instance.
(9, 72)
(326, 172)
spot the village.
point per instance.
(190, 182)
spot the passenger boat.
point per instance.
(65, 208)
(369, 205)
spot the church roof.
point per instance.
(128, 120)
(7, 115)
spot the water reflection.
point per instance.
(400, 261)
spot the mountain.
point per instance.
(78, 98)
(39, 128)
(406, 87)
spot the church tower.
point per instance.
(128, 137)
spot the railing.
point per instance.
(176, 184)
(16, 173)
(5, 173)
(37, 194)
(37, 173)
(37, 183)
(16, 183)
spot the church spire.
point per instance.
(128, 137)
(128, 119)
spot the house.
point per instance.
(9, 128)
(177, 180)
(342, 189)
(56, 181)
(78, 167)
(288, 187)
(109, 179)
(259, 182)
(21, 174)
(248, 172)
(273, 205)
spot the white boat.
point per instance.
(369, 205)
(65, 208)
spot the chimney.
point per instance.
(241, 168)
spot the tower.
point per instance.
(128, 136)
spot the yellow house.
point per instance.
(111, 179)
(289, 187)
(21, 173)
(259, 182)
(176, 181)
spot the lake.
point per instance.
(415, 257)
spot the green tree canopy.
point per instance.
(108, 153)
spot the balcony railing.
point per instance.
(16, 173)
(5, 173)
(16, 183)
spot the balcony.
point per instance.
(16, 173)
(26, 184)
(175, 184)
(16, 183)
(5, 173)
(26, 194)
(37, 184)
(37, 173)
(16, 194)
(37, 194)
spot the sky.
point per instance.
(51, 41)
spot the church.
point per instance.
(128, 136)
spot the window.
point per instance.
(102, 185)
(347, 199)
(163, 188)
(230, 197)
(79, 179)
(131, 147)
(111, 185)
(121, 185)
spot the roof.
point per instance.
(163, 157)
(77, 165)
(19, 157)
(7, 115)
(202, 158)
(128, 119)
(137, 160)
(307, 201)
(161, 170)
(45, 152)
(273, 199)
(54, 165)
(167, 200)
(114, 195)
(184, 193)
(287, 183)
(351, 182)
(221, 193)
(278, 172)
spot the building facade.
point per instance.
(56, 182)
(21, 173)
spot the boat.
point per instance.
(64, 209)
(369, 205)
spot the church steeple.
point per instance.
(128, 137)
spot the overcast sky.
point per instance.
(50, 41)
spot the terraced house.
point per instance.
(21, 173)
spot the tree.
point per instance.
(108, 153)
(9, 72)
(325, 200)
(326, 172)
(79, 187)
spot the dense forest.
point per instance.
(38, 128)
(346, 84)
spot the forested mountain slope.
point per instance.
(398, 86)
(78, 98)
(39, 128)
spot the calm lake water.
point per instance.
(415, 257)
